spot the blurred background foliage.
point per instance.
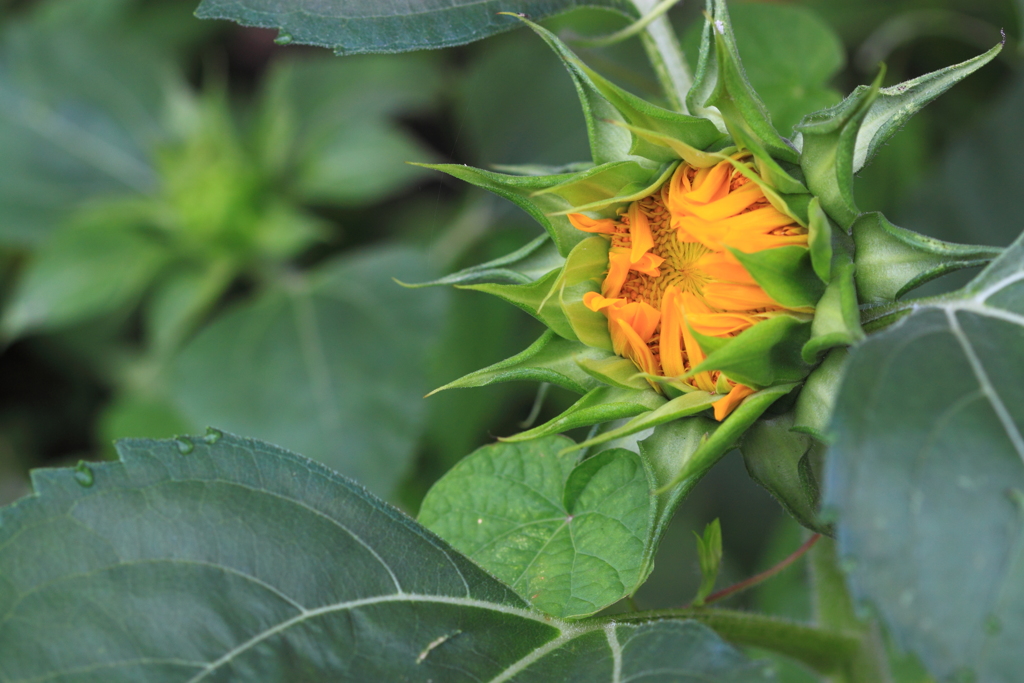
(201, 227)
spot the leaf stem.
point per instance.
(824, 650)
(763, 576)
(666, 56)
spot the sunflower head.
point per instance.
(702, 262)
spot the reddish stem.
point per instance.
(765, 575)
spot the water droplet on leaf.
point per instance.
(283, 39)
(83, 474)
(185, 446)
(212, 435)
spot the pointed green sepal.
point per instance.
(785, 273)
(679, 149)
(583, 272)
(608, 142)
(763, 355)
(720, 81)
(549, 359)
(709, 553)
(605, 104)
(892, 260)
(684, 406)
(527, 264)
(614, 371)
(543, 169)
(836, 317)
(829, 140)
(534, 298)
(896, 104)
(602, 404)
(719, 441)
(784, 463)
(608, 187)
(521, 190)
(770, 170)
(819, 240)
(813, 410)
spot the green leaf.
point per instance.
(341, 357)
(568, 537)
(709, 552)
(767, 353)
(326, 131)
(785, 273)
(721, 81)
(896, 104)
(77, 114)
(784, 463)
(521, 190)
(291, 573)
(926, 474)
(351, 27)
(892, 260)
(614, 371)
(549, 359)
(602, 404)
(82, 272)
(527, 264)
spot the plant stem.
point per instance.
(765, 575)
(824, 650)
(666, 56)
(833, 608)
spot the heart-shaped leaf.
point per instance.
(570, 538)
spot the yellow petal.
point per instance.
(720, 324)
(636, 350)
(618, 270)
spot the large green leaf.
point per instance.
(333, 365)
(76, 115)
(359, 26)
(926, 476)
(226, 559)
(81, 272)
(569, 537)
(325, 130)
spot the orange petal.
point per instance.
(596, 302)
(618, 270)
(730, 205)
(641, 317)
(670, 344)
(636, 349)
(735, 297)
(712, 185)
(724, 267)
(694, 354)
(603, 226)
(648, 264)
(639, 233)
(730, 401)
(720, 324)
